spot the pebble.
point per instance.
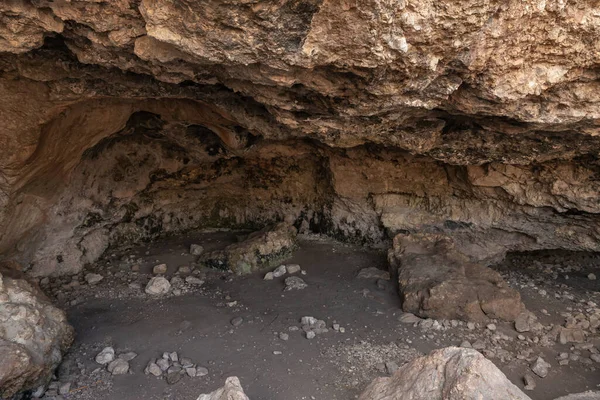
(295, 283)
(284, 336)
(408, 318)
(190, 371)
(529, 382)
(293, 268)
(277, 352)
(184, 270)
(466, 344)
(236, 321)
(592, 277)
(279, 271)
(118, 367)
(92, 279)
(192, 280)
(268, 276)
(470, 326)
(159, 269)
(163, 364)
(491, 327)
(391, 367)
(105, 356)
(540, 367)
(201, 371)
(158, 286)
(196, 249)
(154, 369)
(310, 335)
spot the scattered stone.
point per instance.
(127, 356)
(190, 371)
(163, 364)
(448, 373)
(118, 367)
(153, 369)
(192, 280)
(529, 382)
(491, 327)
(268, 276)
(373, 273)
(237, 321)
(293, 268)
(159, 269)
(279, 271)
(196, 249)
(310, 335)
(409, 318)
(294, 283)
(174, 356)
(525, 322)
(592, 277)
(106, 356)
(231, 391)
(571, 335)
(391, 367)
(64, 388)
(201, 371)
(92, 279)
(158, 286)
(540, 367)
(174, 374)
(284, 336)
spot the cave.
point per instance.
(301, 199)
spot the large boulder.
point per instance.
(231, 391)
(438, 281)
(262, 249)
(451, 373)
(34, 335)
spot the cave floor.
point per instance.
(334, 365)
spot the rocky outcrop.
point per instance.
(34, 335)
(451, 373)
(260, 250)
(437, 281)
(231, 391)
(125, 120)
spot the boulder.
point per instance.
(262, 249)
(34, 335)
(438, 281)
(231, 391)
(589, 395)
(451, 373)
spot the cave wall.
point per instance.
(359, 119)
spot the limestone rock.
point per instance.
(158, 286)
(450, 373)
(34, 335)
(437, 281)
(231, 391)
(260, 250)
(589, 395)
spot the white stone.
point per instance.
(158, 286)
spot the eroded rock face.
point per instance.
(437, 281)
(451, 373)
(262, 249)
(34, 335)
(124, 120)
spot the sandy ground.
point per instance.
(332, 366)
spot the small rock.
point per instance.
(64, 388)
(466, 344)
(525, 322)
(383, 284)
(158, 286)
(154, 369)
(470, 326)
(391, 367)
(336, 327)
(294, 283)
(201, 371)
(237, 321)
(92, 279)
(186, 362)
(478, 345)
(135, 268)
(595, 357)
(196, 249)
(159, 269)
(118, 367)
(284, 336)
(163, 364)
(408, 318)
(128, 356)
(540, 367)
(491, 327)
(373, 273)
(268, 276)
(592, 277)
(192, 280)
(279, 271)
(184, 270)
(190, 371)
(293, 268)
(174, 375)
(308, 321)
(310, 335)
(277, 352)
(529, 382)
(105, 356)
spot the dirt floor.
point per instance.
(196, 323)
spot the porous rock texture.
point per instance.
(450, 373)
(232, 390)
(438, 281)
(34, 335)
(128, 119)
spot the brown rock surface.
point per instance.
(124, 120)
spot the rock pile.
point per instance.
(118, 365)
(173, 367)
